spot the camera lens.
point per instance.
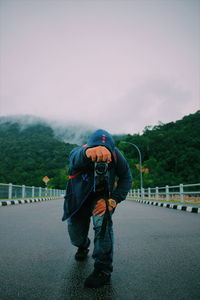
(101, 168)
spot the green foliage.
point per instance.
(170, 152)
(30, 154)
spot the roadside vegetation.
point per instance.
(170, 154)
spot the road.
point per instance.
(157, 255)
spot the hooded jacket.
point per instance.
(81, 174)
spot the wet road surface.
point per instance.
(157, 255)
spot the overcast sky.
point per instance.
(118, 65)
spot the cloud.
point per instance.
(118, 65)
(156, 99)
(146, 104)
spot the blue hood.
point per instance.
(101, 138)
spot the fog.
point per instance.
(73, 134)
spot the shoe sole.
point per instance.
(81, 259)
(95, 287)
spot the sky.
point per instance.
(117, 65)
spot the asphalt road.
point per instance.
(157, 255)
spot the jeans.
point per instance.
(78, 227)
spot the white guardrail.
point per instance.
(181, 192)
(11, 191)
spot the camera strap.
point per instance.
(106, 218)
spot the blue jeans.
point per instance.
(78, 227)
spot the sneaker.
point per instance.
(97, 279)
(81, 253)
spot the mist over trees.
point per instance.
(170, 153)
(30, 154)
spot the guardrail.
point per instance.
(11, 191)
(181, 192)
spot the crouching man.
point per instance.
(92, 192)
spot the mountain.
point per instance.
(65, 131)
(31, 152)
(170, 152)
(32, 148)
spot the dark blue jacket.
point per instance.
(81, 171)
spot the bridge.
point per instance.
(156, 254)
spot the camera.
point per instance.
(101, 172)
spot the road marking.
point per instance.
(170, 205)
(189, 208)
(22, 201)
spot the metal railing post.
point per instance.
(157, 193)
(10, 191)
(33, 191)
(149, 193)
(40, 191)
(181, 192)
(167, 193)
(142, 193)
(23, 191)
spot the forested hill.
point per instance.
(29, 154)
(170, 153)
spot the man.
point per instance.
(92, 191)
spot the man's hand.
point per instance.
(100, 207)
(99, 153)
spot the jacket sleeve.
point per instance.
(125, 178)
(78, 158)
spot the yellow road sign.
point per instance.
(46, 179)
